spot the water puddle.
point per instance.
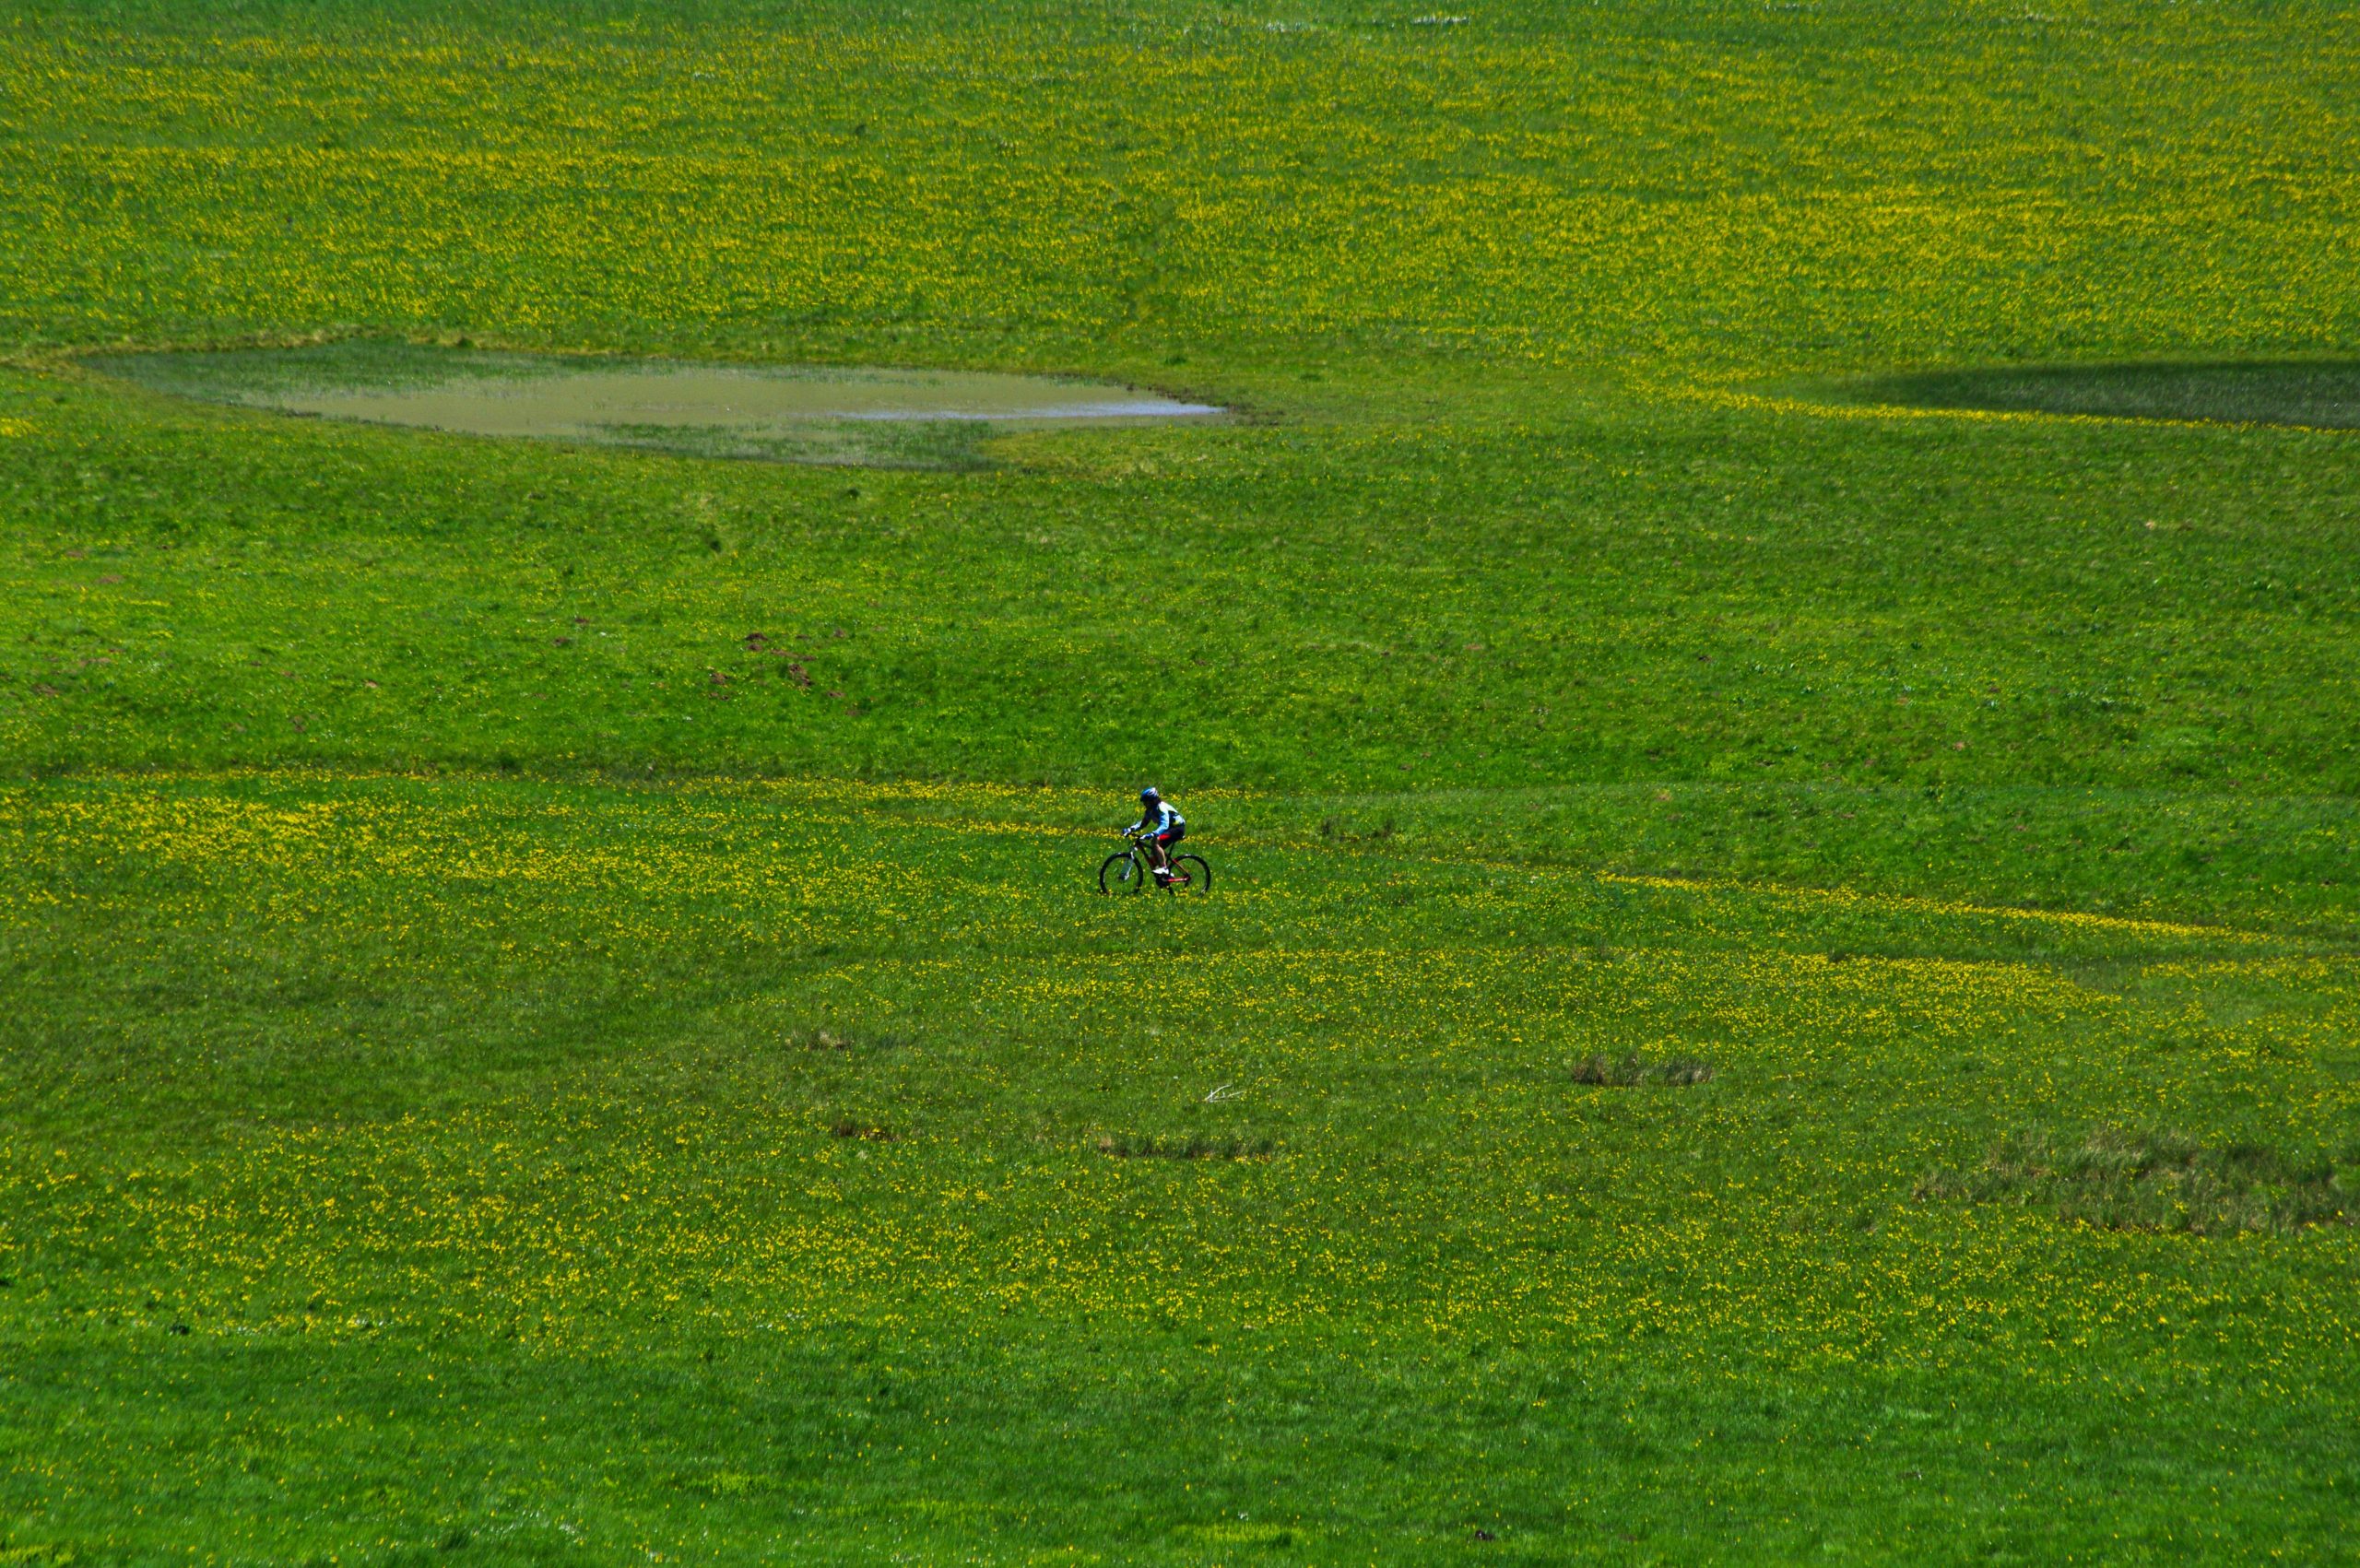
(812, 413)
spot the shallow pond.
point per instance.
(794, 413)
(2321, 393)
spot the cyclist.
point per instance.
(1164, 827)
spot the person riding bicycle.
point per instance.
(1163, 827)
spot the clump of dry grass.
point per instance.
(840, 1039)
(2122, 1179)
(1629, 1071)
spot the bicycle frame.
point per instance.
(1142, 856)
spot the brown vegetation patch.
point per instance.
(2120, 1179)
(1193, 1146)
(1629, 1071)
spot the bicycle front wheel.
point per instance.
(1191, 875)
(1120, 873)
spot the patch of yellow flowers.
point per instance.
(1973, 183)
(1436, 1169)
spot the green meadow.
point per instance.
(1764, 657)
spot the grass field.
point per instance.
(1784, 978)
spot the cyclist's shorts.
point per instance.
(1173, 835)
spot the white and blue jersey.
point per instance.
(1164, 822)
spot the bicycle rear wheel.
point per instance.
(1121, 873)
(1191, 874)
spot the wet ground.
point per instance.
(794, 413)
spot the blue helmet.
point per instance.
(1149, 796)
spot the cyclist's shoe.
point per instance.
(1163, 878)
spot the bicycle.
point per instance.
(1129, 870)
